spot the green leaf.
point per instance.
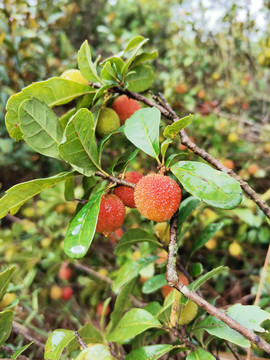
(66, 117)
(172, 157)
(172, 130)
(164, 147)
(134, 322)
(85, 64)
(143, 57)
(134, 236)
(141, 79)
(200, 354)
(154, 283)
(89, 334)
(82, 228)
(56, 343)
(133, 43)
(69, 189)
(121, 303)
(16, 196)
(121, 163)
(4, 280)
(249, 316)
(130, 270)
(54, 91)
(108, 74)
(102, 90)
(186, 208)
(151, 352)
(97, 352)
(208, 232)
(142, 129)
(6, 318)
(219, 329)
(21, 350)
(40, 127)
(106, 138)
(205, 183)
(202, 279)
(116, 62)
(78, 146)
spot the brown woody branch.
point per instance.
(167, 112)
(114, 179)
(172, 279)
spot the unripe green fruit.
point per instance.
(74, 75)
(188, 313)
(108, 121)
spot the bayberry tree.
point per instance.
(101, 102)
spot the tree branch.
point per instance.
(167, 112)
(172, 279)
(114, 179)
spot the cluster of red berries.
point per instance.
(156, 196)
(66, 292)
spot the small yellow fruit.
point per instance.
(55, 292)
(162, 230)
(232, 137)
(211, 244)
(235, 249)
(8, 298)
(136, 255)
(103, 272)
(74, 75)
(46, 242)
(188, 313)
(108, 121)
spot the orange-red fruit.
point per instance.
(126, 194)
(228, 163)
(166, 289)
(116, 235)
(157, 197)
(67, 293)
(180, 88)
(111, 214)
(125, 107)
(252, 169)
(100, 307)
(64, 272)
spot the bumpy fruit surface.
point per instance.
(235, 249)
(74, 75)
(188, 313)
(67, 293)
(166, 289)
(125, 193)
(64, 272)
(55, 292)
(125, 107)
(108, 121)
(111, 214)
(157, 197)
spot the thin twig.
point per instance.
(234, 352)
(90, 271)
(172, 279)
(80, 340)
(115, 179)
(22, 330)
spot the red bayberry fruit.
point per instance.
(157, 197)
(125, 193)
(125, 107)
(64, 272)
(99, 309)
(67, 292)
(111, 214)
(166, 289)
